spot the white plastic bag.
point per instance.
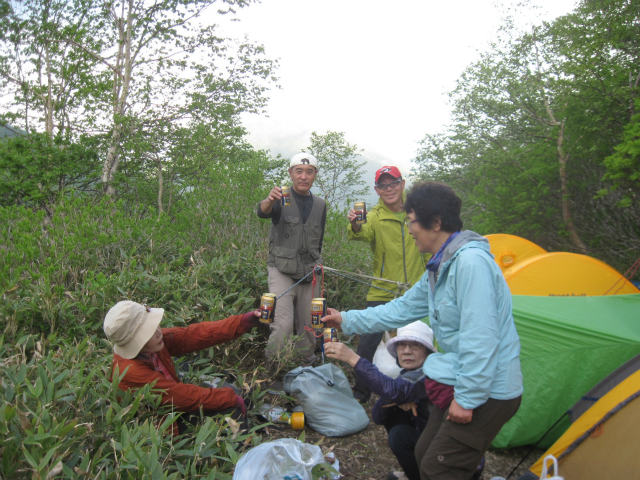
(384, 360)
(554, 475)
(280, 459)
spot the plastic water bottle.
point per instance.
(280, 415)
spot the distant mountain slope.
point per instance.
(9, 131)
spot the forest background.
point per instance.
(125, 173)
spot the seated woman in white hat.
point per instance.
(142, 354)
(403, 404)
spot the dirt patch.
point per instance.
(367, 456)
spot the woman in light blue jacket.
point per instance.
(468, 303)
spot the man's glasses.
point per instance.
(388, 186)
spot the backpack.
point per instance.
(326, 398)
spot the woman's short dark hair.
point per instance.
(430, 201)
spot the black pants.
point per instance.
(402, 441)
(366, 349)
(403, 434)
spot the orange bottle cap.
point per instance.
(297, 420)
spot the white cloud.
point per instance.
(376, 70)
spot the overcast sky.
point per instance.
(379, 71)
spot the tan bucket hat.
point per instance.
(130, 325)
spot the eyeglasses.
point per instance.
(388, 186)
(301, 170)
(409, 345)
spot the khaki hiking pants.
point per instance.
(452, 451)
(292, 315)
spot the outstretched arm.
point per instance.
(182, 340)
(274, 196)
(340, 351)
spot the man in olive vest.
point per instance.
(295, 243)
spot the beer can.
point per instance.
(267, 307)
(361, 212)
(330, 335)
(286, 195)
(318, 310)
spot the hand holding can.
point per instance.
(360, 209)
(286, 195)
(330, 335)
(267, 307)
(318, 310)
(333, 318)
(275, 195)
(339, 351)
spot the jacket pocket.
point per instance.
(285, 260)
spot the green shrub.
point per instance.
(59, 414)
(61, 273)
(74, 422)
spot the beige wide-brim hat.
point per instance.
(414, 332)
(129, 326)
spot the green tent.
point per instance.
(568, 344)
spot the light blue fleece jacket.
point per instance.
(469, 307)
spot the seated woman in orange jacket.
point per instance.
(143, 351)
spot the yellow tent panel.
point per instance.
(567, 274)
(508, 250)
(603, 442)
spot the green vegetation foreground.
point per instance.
(59, 276)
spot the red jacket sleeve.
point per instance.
(181, 340)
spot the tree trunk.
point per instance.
(48, 107)
(160, 186)
(563, 158)
(122, 79)
(111, 162)
(633, 86)
(170, 200)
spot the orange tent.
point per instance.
(508, 250)
(563, 273)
